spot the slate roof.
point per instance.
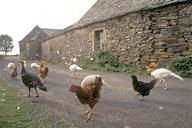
(49, 32)
(104, 10)
(107, 9)
(36, 31)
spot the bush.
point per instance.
(104, 61)
(182, 66)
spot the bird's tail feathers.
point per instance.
(105, 83)
(176, 76)
(79, 68)
(43, 88)
(46, 70)
(152, 84)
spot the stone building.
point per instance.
(30, 45)
(132, 30)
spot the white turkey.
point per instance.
(73, 68)
(163, 74)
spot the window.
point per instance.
(99, 40)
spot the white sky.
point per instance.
(19, 17)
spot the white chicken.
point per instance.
(35, 66)
(73, 68)
(11, 66)
(91, 79)
(162, 74)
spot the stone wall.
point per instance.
(158, 34)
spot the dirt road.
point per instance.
(118, 107)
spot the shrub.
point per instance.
(104, 61)
(182, 66)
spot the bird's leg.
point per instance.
(87, 111)
(88, 117)
(142, 99)
(29, 95)
(165, 85)
(74, 74)
(138, 95)
(36, 92)
(160, 81)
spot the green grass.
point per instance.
(28, 116)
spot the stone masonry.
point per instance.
(156, 34)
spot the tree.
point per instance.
(6, 44)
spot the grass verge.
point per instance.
(19, 112)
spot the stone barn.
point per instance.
(132, 30)
(30, 46)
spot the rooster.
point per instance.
(150, 66)
(142, 88)
(43, 71)
(162, 74)
(73, 68)
(88, 94)
(31, 81)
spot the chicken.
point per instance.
(91, 79)
(31, 81)
(162, 74)
(73, 68)
(35, 66)
(11, 66)
(141, 87)
(43, 72)
(150, 66)
(14, 72)
(88, 94)
(12, 69)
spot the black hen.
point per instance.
(141, 87)
(31, 81)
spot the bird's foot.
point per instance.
(87, 118)
(166, 88)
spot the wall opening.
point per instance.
(99, 40)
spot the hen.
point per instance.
(88, 94)
(31, 81)
(12, 69)
(14, 72)
(141, 87)
(43, 72)
(162, 74)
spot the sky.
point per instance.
(19, 17)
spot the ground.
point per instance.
(118, 106)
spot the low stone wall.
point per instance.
(157, 34)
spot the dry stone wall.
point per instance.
(157, 34)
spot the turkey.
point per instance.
(73, 68)
(162, 74)
(31, 81)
